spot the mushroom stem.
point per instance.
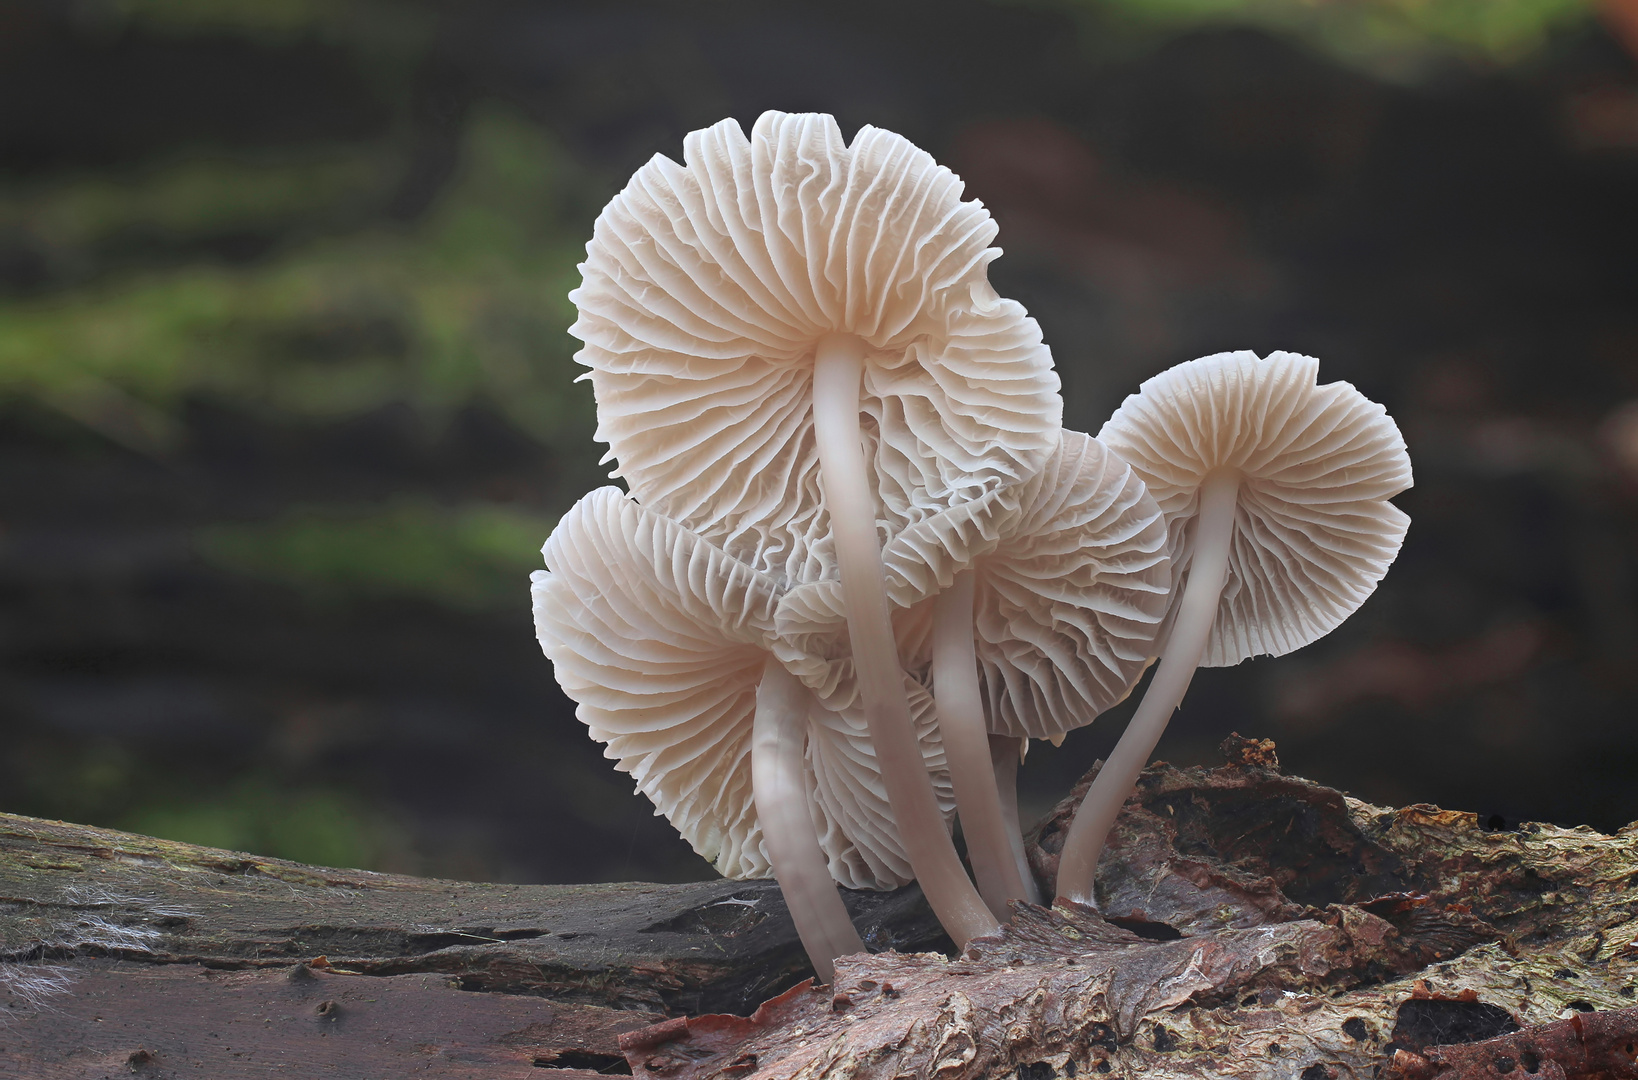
(781, 796)
(1005, 757)
(967, 747)
(838, 373)
(1214, 529)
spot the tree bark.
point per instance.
(122, 953)
(1259, 926)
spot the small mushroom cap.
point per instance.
(1067, 608)
(1073, 579)
(707, 286)
(660, 638)
(1314, 531)
(855, 822)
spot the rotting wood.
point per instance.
(1270, 928)
(70, 891)
(117, 947)
(123, 1018)
(1586, 1044)
(1261, 926)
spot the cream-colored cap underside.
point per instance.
(1073, 576)
(706, 287)
(1313, 531)
(660, 638)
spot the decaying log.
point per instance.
(1587, 1044)
(120, 1018)
(1259, 925)
(116, 947)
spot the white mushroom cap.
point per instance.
(1313, 531)
(661, 639)
(810, 618)
(855, 822)
(1068, 606)
(707, 286)
(1073, 580)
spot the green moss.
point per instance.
(192, 197)
(466, 306)
(469, 557)
(317, 826)
(48, 860)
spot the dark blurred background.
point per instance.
(286, 406)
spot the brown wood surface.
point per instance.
(114, 945)
(1261, 926)
(1258, 925)
(121, 1018)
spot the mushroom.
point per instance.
(1006, 758)
(1275, 492)
(664, 642)
(1045, 615)
(793, 343)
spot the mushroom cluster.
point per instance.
(860, 562)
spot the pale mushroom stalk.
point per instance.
(967, 747)
(1005, 757)
(838, 374)
(1067, 598)
(1214, 529)
(778, 741)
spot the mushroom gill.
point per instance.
(1044, 614)
(1275, 491)
(665, 643)
(794, 344)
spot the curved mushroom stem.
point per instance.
(838, 373)
(967, 748)
(781, 795)
(1214, 529)
(1005, 757)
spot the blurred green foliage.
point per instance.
(103, 781)
(467, 305)
(1393, 38)
(469, 557)
(194, 197)
(339, 310)
(286, 283)
(329, 828)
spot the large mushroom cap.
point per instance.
(707, 286)
(1313, 530)
(1072, 582)
(660, 638)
